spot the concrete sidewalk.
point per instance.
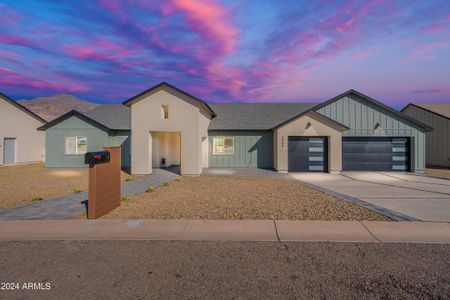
(230, 230)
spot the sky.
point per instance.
(107, 51)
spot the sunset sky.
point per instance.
(227, 51)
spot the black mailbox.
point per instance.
(99, 157)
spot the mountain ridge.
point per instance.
(54, 106)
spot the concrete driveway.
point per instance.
(420, 197)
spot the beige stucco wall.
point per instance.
(184, 117)
(15, 123)
(297, 127)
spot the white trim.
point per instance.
(222, 137)
(77, 138)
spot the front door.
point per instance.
(307, 154)
(9, 151)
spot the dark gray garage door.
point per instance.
(375, 154)
(307, 154)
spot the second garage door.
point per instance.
(375, 154)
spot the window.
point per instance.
(76, 145)
(164, 111)
(223, 145)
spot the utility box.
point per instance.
(104, 181)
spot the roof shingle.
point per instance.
(442, 109)
(113, 116)
(251, 116)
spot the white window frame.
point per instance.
(223, 142)
(76, 152)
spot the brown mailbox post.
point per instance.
(104, 181)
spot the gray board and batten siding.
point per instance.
(367, 119)
(438, 140)
(252, 149)
(97, 138)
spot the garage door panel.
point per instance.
(307, 154)
(375, 154)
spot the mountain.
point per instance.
(52, 107)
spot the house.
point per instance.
(165, 126)
(70, 136)
(438, 140)
(20, 141)
(348, 132)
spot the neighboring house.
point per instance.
(438, 140)
(20, 141)
(71, 135)
(349, 132)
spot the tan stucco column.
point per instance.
(141, 149)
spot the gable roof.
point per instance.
(105, 116)
(252, 116)
(113, 116)
(373, 101)
(317, 116)
(440, 109)
(22, 108)
(166, 86)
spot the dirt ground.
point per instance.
(19, 184)
(222, 198)
(225, 270)
(444, 173)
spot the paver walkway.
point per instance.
(67, 207)
(227, 230)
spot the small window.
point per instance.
(223, 145)
(76, 145)
(164, 111)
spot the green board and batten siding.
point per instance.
(362, 116)
(97, 138)
(252, 149)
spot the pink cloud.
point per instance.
(14, 40)
(6, 53)
(209, 19)
(423, 51)
(12, 78)
(432, 91)
(362, 54)
(433, 28)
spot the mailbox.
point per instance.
(94, 158)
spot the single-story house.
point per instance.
(20, 142)
(438, 140)
(348, 132)
(70, 136)
(171, 127)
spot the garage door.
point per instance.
(375, 154)
(307, 154)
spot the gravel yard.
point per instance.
(20, 184)
(229, 197)
(444, 173)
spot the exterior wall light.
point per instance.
(308, 125)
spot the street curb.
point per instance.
(227, 230)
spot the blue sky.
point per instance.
(227, 51)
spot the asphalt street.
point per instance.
(223, 270)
